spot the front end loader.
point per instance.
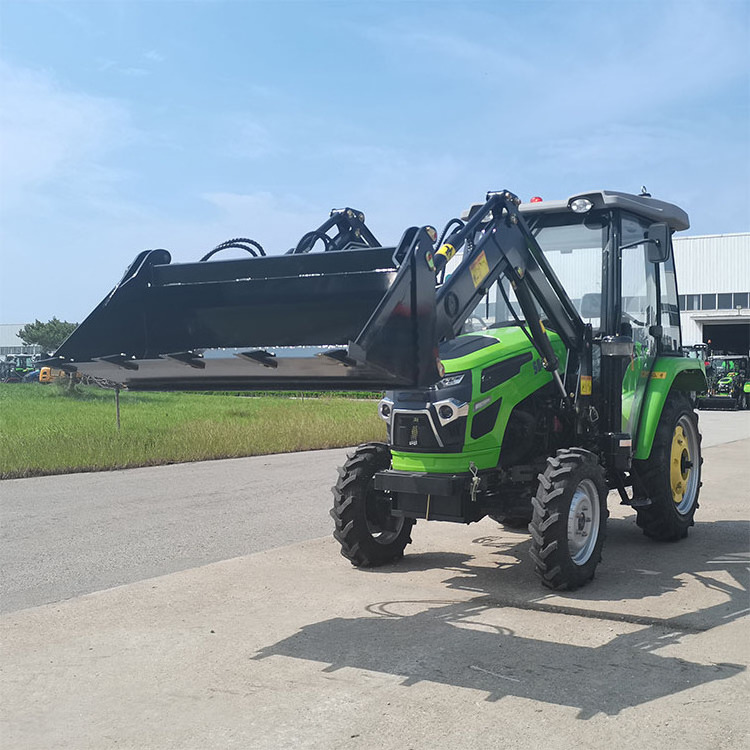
(531, 361)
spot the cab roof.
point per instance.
(643, 205)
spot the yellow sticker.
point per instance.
(447, 250)
(659, 375)
(585, 385)
(480, 269)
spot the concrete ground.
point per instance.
(457, 646)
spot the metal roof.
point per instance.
(9, 334)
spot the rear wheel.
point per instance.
(672, 473)
(569, 522)
(368, 534)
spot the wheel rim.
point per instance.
(382, 526)
(683, 477)
(583, 522)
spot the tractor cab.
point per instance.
(602, 248)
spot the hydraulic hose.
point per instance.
(238, 243)
(304, 245)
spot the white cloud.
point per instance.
(47, 132)
(566, 66)
(134, 72)
(277, 222)
(245, 137)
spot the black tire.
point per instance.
(570, 519)
(369, 536)
(672, 487)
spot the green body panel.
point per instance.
(746, 387)
(668, 373)
(484, 452)
(649, 387)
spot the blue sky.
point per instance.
(176, 124)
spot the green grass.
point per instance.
(45, 431)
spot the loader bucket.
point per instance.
(717, 401)
(355, 319)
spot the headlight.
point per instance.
(450, 380)
(385, 407)
(445, 412)
(581, 205)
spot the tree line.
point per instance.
(48, 335)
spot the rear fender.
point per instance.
(668, 374)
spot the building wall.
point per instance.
(713, 279)
(11, 344)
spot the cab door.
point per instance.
(638, 317)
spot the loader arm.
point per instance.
(499, 243)
(506, 247)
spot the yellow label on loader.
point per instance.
(659, 375)
(447, 250)
(480, 269)
(585, 385)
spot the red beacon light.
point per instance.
(536, 199)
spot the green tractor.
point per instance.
(728, 384)
(16, 367)
(531, 360)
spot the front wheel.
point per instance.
(367, 532)
(569, 522)
(672, 473)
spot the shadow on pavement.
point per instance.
(470, 644)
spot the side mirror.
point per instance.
(658, 242)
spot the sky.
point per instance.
(128, 125)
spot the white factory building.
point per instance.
(10, 343)
(713, 282)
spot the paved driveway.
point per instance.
(457, 646)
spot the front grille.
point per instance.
(413, 431)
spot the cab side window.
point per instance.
(638, 285)
(670, 310)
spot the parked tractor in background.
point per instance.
(728, 383)
(16, 367)
(571, 382)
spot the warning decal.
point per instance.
(480, 269)
(585, 385)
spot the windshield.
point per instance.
(573, 246)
